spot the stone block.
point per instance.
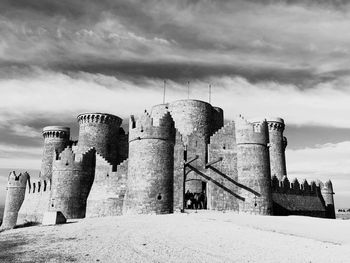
(53, 218)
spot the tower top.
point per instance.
(98, 117)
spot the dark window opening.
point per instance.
(159, 197)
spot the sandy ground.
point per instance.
(195, 237)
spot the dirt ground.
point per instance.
(193, 237)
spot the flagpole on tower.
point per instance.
(188, 89)
(164, 88)
(209, 93)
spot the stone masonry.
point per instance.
(182, 145)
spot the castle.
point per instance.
(182, 145)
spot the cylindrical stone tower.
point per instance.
(327, 194)
(277, 147)
(99, 130)
(253, 167)
(151, 166)
(72, 177)
(16, 188)
(56, 139)
(189, 116)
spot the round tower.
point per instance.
(56, 139)
(189, 116)
(72, 178)
(253, 167)
(277, 147)
(99, 130)
(327, 194)
(16, 188)
(151, 166)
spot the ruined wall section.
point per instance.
(72, 178)
(151, 165)
(107, 193)
(297, 199)
(253, 167)
(277, 147)
(56, 139)
(222, 193)
(36, 201)
(101, 131)
(16, 187)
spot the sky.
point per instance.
(285, 58)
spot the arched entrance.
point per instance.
(195, 193)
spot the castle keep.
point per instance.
(178, 147)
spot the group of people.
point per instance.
(195, 200)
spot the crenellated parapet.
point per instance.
(17, 181)
(102, 118)
(251, 132)
(56, 132)
(295, 188)
(36, 201)
(145, 127)
(69, 160)
(276, 124)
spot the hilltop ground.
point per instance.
(196, 237)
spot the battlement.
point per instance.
(38, 186)
(285, 187)
(67, 159)
(56, 132)
(251, 132)
(97, 117)
(145, 127)
(224, 138)
(18, 181)
(328, 187)
(275, 124)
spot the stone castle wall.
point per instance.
(223, 189)
(36, 201)
(108, 172)
(297, 199)
(106, 197)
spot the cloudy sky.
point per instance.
(263, 58)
